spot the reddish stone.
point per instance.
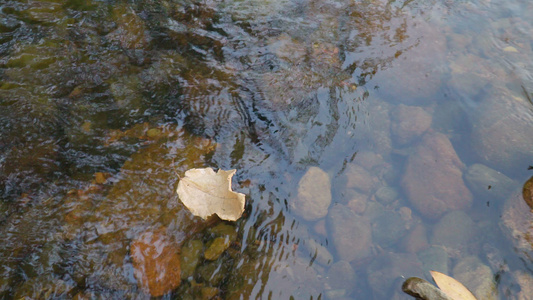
(416, 240)
(433, 179)
(157, 263)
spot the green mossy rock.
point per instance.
(217, 247)
(191, 252)
(224, 230)
(43, 287)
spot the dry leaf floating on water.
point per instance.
(451, 287)
(206, 192)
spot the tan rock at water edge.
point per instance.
(525, 281)
(156, 262)
(314, 195)
(517, 225)
(433, 179)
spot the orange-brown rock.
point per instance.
(156, 262)
(416, 240)
(433, 179)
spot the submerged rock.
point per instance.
(131, 31)
(409, 123)
(386, 195)
(318, 252)
(156, 262)
(190, 257)
(44, 287)
(470, 74)
(209, 292)
(351, 234)
(314, 195)
(477, 277)
(291, 279)
(517, 225)
(215, 272)
(217, 247)
(434, 259)
(369, 160)
(416, 240)
(433, 179)
(387, 228)
(501, 135)
(416, 75)
(525, 281)
(375, 129)
(341, 276)
(387, 269)
(488, 182)
(359, 178)
(454, 231)
(356, 201)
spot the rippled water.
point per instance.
(419, 113)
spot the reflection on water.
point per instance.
(375, 141)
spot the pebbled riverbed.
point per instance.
(374, 140)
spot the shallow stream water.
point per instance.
(374, 140)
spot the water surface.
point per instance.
(105, 104)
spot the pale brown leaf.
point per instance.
(453, 288)
(205, 193)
